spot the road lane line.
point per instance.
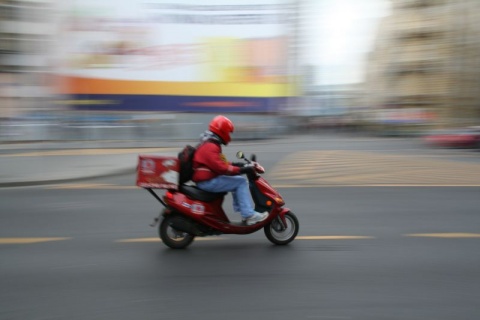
(338, 237)
(288, 186)
(158, 240)
(445, 235)
(67, 186)
(102, 186)
(29, 240)
(88, 152)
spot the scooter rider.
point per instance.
(214, 173)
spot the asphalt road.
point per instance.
(398, 251)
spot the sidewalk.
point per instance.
(39, 164)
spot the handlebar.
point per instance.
(252, 161)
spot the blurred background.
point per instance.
(144, 70)
(389, 227)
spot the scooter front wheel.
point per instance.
(279, 234)
(172, 237)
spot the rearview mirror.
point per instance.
(240, 155)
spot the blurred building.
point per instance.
(424, 71)
(333, 106)
(26, 42)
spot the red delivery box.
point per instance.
(157, 172)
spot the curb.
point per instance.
(114, 173)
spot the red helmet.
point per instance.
(222, 127)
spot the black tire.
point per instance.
(274, 232)
(172, 237)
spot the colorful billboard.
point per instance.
(148, 55)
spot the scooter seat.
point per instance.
(199, 194)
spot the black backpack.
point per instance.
(185, 159)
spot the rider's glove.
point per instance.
(247, 169)
(258, 167)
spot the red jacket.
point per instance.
(209, 162)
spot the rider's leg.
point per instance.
(236, 206)
(236, 184)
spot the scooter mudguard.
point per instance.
(282, 215)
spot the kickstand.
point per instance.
(156, 220)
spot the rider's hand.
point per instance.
(247, 169)
(258, 167)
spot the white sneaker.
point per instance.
(256, 218)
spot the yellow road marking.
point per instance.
(29, 240)
(88, 152)
(286, 186)
(90, 186)
(158, 240)
(106, 186)
(445, 235)
(220, 238)
(329, 237)
(333, 237)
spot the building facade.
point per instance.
(425, 67)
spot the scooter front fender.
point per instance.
(281, 215)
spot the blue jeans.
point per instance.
(238, 185)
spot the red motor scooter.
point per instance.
(191, 212)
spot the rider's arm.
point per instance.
(238, 164)
(213, 159)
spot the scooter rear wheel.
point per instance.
(279, 235)
(172, 237)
